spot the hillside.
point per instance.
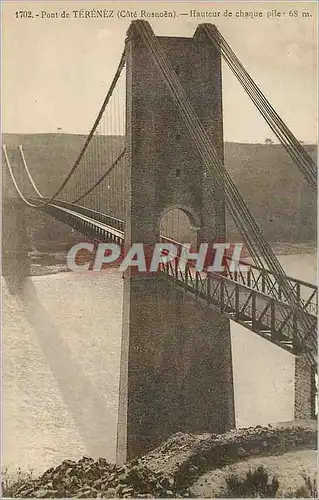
(270, 183)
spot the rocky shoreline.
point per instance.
(170, 470)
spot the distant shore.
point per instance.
(55, 262)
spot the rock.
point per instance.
(193, 469)
(24, 493)
(70, 470)
(86, 493)
(102, 462)
(48, 473)
(127, 489)
(94, 492)
(110, 493)
(166, 482)
(201, 461)
(241, 451)
(57, 482)
(68, 463)
(45, 493)
(22, 488)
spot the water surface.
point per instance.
(61, 342)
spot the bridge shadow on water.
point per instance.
(85, 405)
(92, 413)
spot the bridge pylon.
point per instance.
(176, 362)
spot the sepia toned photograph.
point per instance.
(159, 249)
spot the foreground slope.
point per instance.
(184, 465)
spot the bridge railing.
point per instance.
(266, 282)
(101, 217)
(262, 314)
(87, 225)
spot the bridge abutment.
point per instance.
(305, 389)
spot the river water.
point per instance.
(61, 344)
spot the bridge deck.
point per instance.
(251, 301)
(257, 278)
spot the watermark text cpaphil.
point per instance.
(216, 257)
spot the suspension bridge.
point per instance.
(157, 146)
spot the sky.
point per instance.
(56, 72)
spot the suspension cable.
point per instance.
(97, 183)
(108, 171)
(4, 149)
(298, 154)
(28, 171)
(91, 134)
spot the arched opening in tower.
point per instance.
(177, 225)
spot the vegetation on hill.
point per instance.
(272, 186)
